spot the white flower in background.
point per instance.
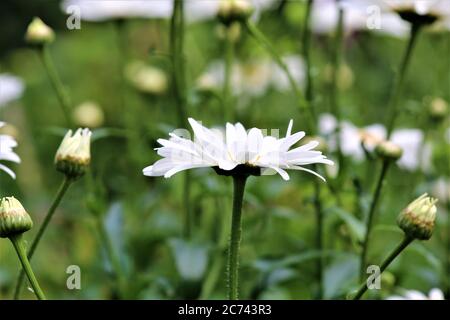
(7, 143)
(233, 147)
(253, 78)
(11, 88)
(296, 67)
(195, 10)
(119, 9)
(434, 294)
(416, 154)
(441, 190)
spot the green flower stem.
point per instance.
(306, 40)
(334, 96)
(21, 253)
(264, 42)
(405, 242)
(235, 240)
(111, 254)
(59, 195)
(319, 237)
(179, 90)
(55, 80)
(369, 223)
(398, 86)
(227, 94)
(121, 36)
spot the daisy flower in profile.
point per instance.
(434, 294)
(235, 151)
(7, 143)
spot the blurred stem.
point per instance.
(112, 256)
(369, 223)
(319, 236)
(235, 240)
(306, 40)
(121, 58)
(398, 86)
(334, 95)
(264, 42)
(21, 253)
(59, 195)
(227, 94)
(405, 242)
(179, 91)
(55, 80)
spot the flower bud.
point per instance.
(438, 109)
(146, 78)
(89, 114)
(234, 10)
(417, 220)
(39, 33)
(14, 219)
(74, 153)
(389, 150)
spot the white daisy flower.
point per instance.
(235, 149)
(11, 88)
(7, 143)
(195, 10)
(434, 294)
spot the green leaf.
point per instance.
(357, 227)
(191, 259)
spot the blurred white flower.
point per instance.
(253, 78)
(89, 114)
(441, 190)
(234, 146)
(7, 143)
(195, 10)
(434, 294)
(416, 155)
(296, 67)
(11, 88)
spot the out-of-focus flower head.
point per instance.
(11, 88)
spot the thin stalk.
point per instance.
(59, 195)
(319, 237)
(398, 87)
(21, 253)
(334, 96)
(121, 58)
(306, 41)
(405, 242)
(370, 218)
(235, 240)
(227, 94)
(264, 42)
(112, 256)
(179, 91)
(55, 80)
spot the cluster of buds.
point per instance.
(418, 218)
(38, 33)
(14, 220)
(74, 154)
(234, 11)
(388, 150)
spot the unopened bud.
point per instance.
(39, 33)
(234, 10)
(418, 218)
(74, 153)
(14, 220)
(438, 109)
(389, 150)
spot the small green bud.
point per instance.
(74, 154)
(389, 150)
(39, 33)
(438, 109)
(14, 219)
(234, 10)
(418, 218)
